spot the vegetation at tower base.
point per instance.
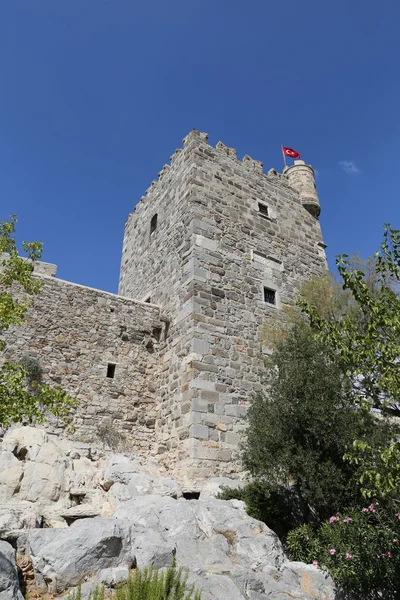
(22, 397)
(359, 548)
(149, 584)
(301, 426)
(324, 425)
(366, 345)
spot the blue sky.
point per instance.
(95, 96)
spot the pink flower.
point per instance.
(378, 555)
(332, 551)
(348, 556)
(371, 508)
(315, 563)
(395, 540)
(376, 503)
(333, 519)
(366, 510)
(389, 554)
(397, 515)
(347, 520)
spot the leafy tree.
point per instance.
(300, 427)
(20, 398)
(366, 344)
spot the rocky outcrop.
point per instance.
(9, 585)
(80, 514)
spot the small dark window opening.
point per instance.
(153, 223)
(157, 331)
(263, 209)
(191, 495)
(269, 296)
(111, 370)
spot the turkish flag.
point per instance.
(290, 152)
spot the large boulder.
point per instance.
(62, 557)
(9, 585)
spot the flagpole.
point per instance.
(284, 157)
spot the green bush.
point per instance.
(31, 365)
(303, 423)
(360, 549)
(279, 509)
(149, 584)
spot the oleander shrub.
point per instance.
(360, 549)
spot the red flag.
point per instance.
(290, 152)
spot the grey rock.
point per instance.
(120, 469)
(212, 487)
(11, 470)
(61, 557)
(19, 516)
(112, 576)
(81, 511)
(9, 585)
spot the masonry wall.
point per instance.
(239, 251)
(207, 264)
(158, 266)
(75, 332)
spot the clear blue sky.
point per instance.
(95, 96)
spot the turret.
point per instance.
(301, 178)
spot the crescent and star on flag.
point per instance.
(289, 152)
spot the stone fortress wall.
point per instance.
(212, 252)
(221, 247)
(102, 349)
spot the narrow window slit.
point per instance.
(153, 223)
(111, 370)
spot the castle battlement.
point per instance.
(199, 139)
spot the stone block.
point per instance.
(224, 455)
(202, 384)
(235, 410)
(205, 242)
(232, 438)
(200, 346)
(199, 405)
(199, 432)
(209, 396)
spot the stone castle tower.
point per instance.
(220, 247)
(210, 254)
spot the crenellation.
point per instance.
(164, 170)
(256, 165)
(231, 152)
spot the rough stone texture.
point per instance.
(137, 517)
(75, 332)
(225, 230)
(9, 585)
